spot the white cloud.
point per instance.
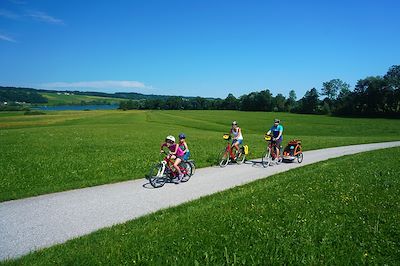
(43, 17)
(103, 84)
(6, 38)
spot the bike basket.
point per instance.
(226, 136)
(246, 149)
(267, 137)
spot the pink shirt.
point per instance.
(179, 151)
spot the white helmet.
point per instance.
(171, 138)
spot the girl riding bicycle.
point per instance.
(184, 147)
(237, 135)
(174, 153)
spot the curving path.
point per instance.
(34, 223)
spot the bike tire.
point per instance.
(266, 159)
(193, 167)
(186, 170)
(240, 156)
(155, 177)
(224, 158)
(300, 157)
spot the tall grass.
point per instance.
(65, 150)
(343, 211)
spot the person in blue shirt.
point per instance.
(277, 131)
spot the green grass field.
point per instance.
(62, 99)
(66, 150)
(343, 211)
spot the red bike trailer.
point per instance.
(293, 150)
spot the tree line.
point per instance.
(372, 96)
(22, 95)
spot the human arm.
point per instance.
(162, 147)
(186, 147)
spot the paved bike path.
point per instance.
(34, 223)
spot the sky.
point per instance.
(206, 48)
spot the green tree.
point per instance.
(331, 88)
(309, 103)
(279, 102)
(291, 101)
(230, 103)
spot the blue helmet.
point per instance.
(182, 136)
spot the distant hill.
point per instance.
(61, 97)
(21, 95)
(121, 95)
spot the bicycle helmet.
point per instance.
(276, 120)
(182, 136)
(234, 123)
(171, 138)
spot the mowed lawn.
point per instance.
(66, 150)
(343, 211)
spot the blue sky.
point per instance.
(195, 48)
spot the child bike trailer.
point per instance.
(293, 150)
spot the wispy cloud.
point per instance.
(6, 38)
(43, 17)
(103, 84)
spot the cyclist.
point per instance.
(184, 147)
(174, 153)
(277, 131)
(237, 135)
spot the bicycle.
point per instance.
(229, 154)
(270, 153)
(164, 172)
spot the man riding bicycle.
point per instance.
(277, 131)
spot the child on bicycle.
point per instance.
(277, 131)
(237, 135)
(175, 153)
(184, 147)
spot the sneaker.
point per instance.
(178, 179)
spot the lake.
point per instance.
(76, 107)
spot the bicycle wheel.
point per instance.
(266, 159)
(186, 170)
(224, 158)
(193, 166)
(299, 157)
(240, 156)
(156, 176)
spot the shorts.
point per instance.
(278, 143)
(174, 157)
(240, 141)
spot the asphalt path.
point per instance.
(38, 222)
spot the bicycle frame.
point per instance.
(272, 145)
(164, 170)
(230, 149)
(231, 154)
(168, 164)
(271, 153)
